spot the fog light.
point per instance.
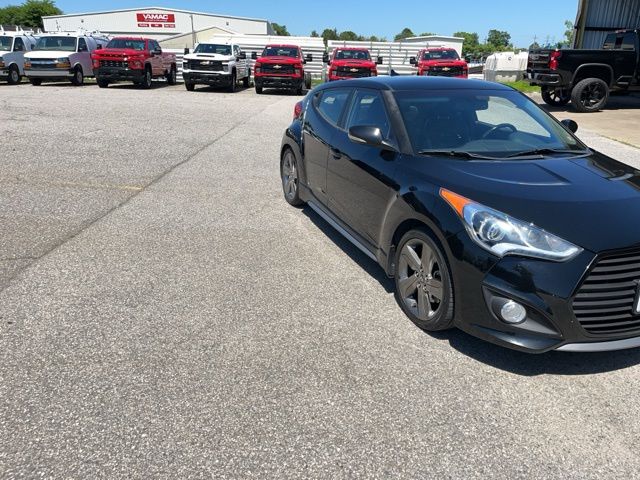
(513, 312)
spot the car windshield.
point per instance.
(65, 44)
(5, 43)
(352, 55)
(280, 52)
(126, 43)
(490, 123)
(441, 55)
(213, 48)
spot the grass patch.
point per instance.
(316, 81)
(523, 86)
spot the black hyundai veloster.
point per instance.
(490, 215)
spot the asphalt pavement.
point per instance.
(165, 314)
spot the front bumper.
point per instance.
(208, 78)
(51, 74)
(269, 81)
(546, 289)
(115, 74)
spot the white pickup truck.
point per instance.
(216, 64)
(63, 56)
(13, 46)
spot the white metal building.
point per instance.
(597, 18)
(155, 22)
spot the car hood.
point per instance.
(443, 63)
(38, 54)
(118, 52)
(209, 56)
(281, 60)
(591, 201)
(353, 63)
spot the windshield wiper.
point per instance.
(454, 153)
(546, 151)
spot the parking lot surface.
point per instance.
(164, 313)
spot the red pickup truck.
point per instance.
(441, 61)
(281, 67)
(348, 63)
(137, 60)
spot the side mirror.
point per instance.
(571, 125)
(325, 58)
(254, 56)
(186, 51)
(242, 56)
(158, 51)
(309, 58)
(413, 61)
(370, 135)
(380, 60)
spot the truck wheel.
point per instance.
(172, 76)
(14, 75)
(590, 95)
(190, 86)
(556, 97)
(258, 90)
(299, 90)
(36, 82)
(234, 82)
(307, 82)
(102, 83)
(78, 77)
(147, 80)
(245, 80)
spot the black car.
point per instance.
(490, 215)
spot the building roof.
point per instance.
(172, 10)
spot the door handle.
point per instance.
(335, 153)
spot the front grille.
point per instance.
(446, 71)
(353, 72)
(205, 65)
(113, 64)
(277, 69)
(43, 64)
(605, 303)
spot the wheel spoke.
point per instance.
(434, 287)
(411, 257)
(408, 286)
(428, 259)
(424, 307)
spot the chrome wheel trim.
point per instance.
(289, 176)
(420, 283)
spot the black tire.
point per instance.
(245, 80)
(190, 86)
(556, 97)
(102, 83)
(258, 90)
(147, 80)
(14, 75)
(36, 82)
(299, 90)
(590, 95)
(172, 76)
(78, 77)
(234, 83)
(290, 176)
(422, 276)
(307, 82)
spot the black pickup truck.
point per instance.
(587, 77)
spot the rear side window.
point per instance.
(82, 45)
(330, 103)
(610, 42)
(368, 110)
(629, 41)
(18, 46)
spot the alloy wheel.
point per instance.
(420, 279)
(592, 95)
(289, 176)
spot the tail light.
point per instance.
(297, 111)
(553, 59)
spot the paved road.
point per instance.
(165, 314)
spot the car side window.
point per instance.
(331, 102)
(629, 41)
(368, 110)
(18, 45)
(236, 50)
(82, 45)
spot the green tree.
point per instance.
(281, 30)
(427, 34)
(348, 35)
(314, 34)
(329, 34)
(499, 39)
(405, 33)
(569, 33)
(471, 43)
(534, 46)
(29, 14)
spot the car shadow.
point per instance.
(209, 89)
(615, 102)
(132, 86)
(366, 263)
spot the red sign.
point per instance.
(155, 18)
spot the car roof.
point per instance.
(130, 38)
(413, 82)
(281, 45)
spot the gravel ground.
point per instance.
(165, 314)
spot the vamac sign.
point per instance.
(156, 20)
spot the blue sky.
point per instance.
(383, 18)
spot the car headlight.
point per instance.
(225, 67)
(503, 235)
